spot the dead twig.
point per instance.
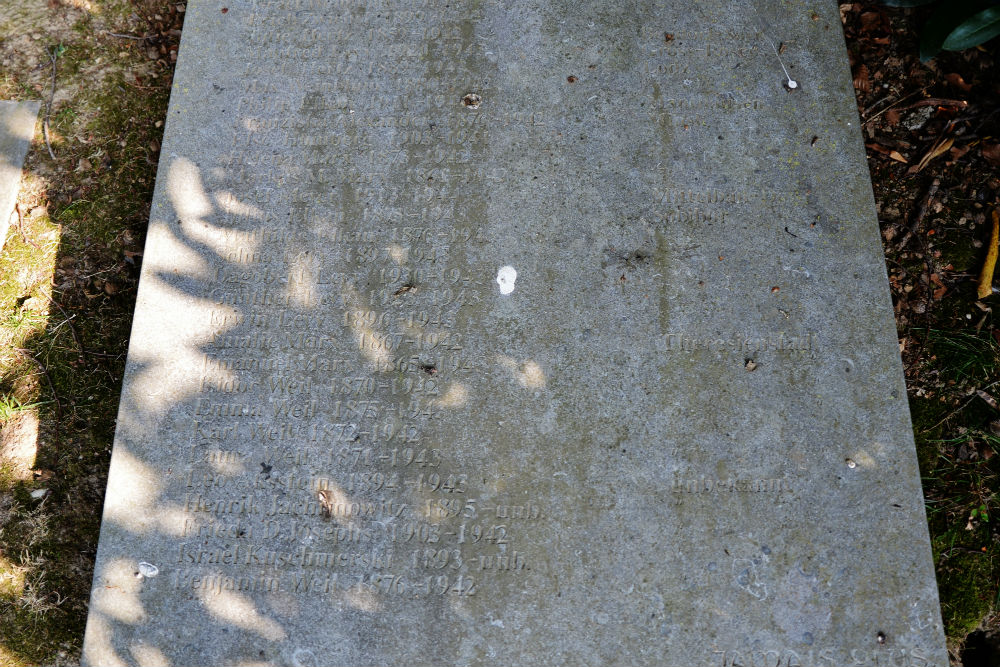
(954, 412)
(30, 357)
(135, 85)
(76, 338)
(919, 217)
(936, 102)
(963, 550)
(896, 104)
(927, 267)
(72, 329)
(123, 36)
(20, 226)
(875, 104)
(53, 56)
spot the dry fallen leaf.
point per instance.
(958, 152)
(861, 81)
(986, 276)
(992, 402)
(870, 21)
(938, 149)
(991, 153)
(957, 81)
(895, 155)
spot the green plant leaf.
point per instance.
(981, 28)
(906, 3)
(944, 20)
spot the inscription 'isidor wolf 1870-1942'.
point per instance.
(513, 334)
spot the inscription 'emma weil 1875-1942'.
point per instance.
(470, 345)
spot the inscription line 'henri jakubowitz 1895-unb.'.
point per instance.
(513, 333)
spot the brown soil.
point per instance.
(933, 137)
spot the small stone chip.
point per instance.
(148, 570)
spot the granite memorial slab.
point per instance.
(522, 333)
(17, 127)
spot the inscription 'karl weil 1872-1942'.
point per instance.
(464, 344)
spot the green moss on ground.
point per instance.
(67, 289)
(966, 594)
(962, 506)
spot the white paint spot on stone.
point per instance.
(506, 277)
(148, 570)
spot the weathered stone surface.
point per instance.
(551, 333)
(17, 126)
